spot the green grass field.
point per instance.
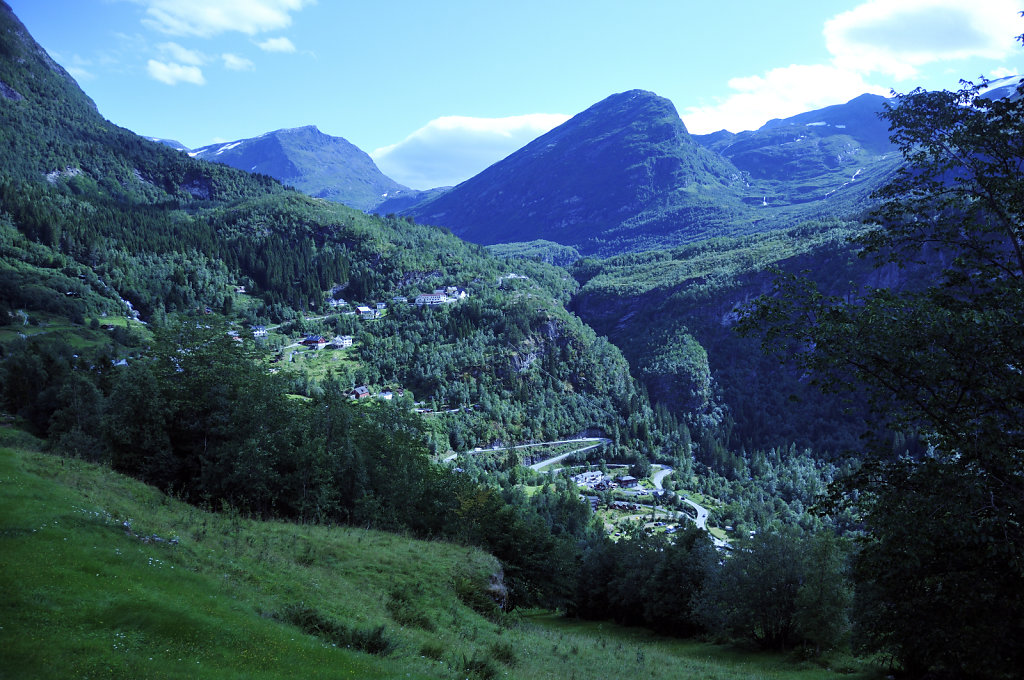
(82, 597)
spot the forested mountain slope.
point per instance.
(98, 221)
(621, 175)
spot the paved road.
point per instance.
(537, 466)
(701, 520)
(601, 441)
(658, 477)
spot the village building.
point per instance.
(367, 312)
(430, 299)
(361, 392)
(259, 331)
(314, 341)
(342, 341)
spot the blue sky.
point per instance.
(436, 91)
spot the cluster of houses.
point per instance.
(363, 392)
(440, 296)
(598, 481)
(319, 341)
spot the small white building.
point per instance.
(342, 341)
(367, 312)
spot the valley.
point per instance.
(628, 401)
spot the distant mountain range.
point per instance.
(623, 175)
(315, 163)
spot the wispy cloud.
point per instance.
(174, 73)
(779, 93)
(879, 40)
(181, 55)
(276, 45)
(451, 149)
(233, 62)
(206, 18)
(79, 68)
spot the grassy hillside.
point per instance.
(220, 595)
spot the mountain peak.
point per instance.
(624, 166)
(316, 163)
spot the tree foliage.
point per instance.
(942, 576)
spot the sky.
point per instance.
(437, 91)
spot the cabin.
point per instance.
(627, 482)
(361, 392)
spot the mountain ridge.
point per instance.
(627, 156)
(318, 164)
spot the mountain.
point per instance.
(809, 158)
(625, 175)
(173, 143)
(100, 224)
(621, 175)
(315, 163)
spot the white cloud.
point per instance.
(451, 149)
(896, 37)
(174, 73)
(1002, 72)
(779, 93)
(180, 54)
(233, 62)
(890, 39)
(205, 18)
(276, 45)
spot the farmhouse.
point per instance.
(314, 341)
(342, 341)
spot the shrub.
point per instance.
(311, 621)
